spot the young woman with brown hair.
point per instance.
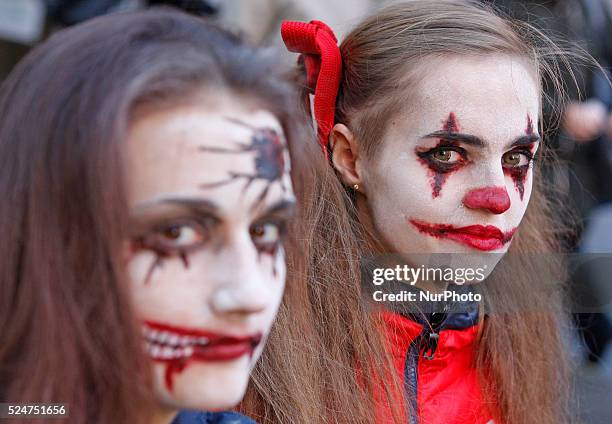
(428, 115)
(146, 190)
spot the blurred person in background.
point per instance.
(144, 218)
(23, 23)
(583, 140)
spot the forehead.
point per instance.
(169, 153)
(488, 94)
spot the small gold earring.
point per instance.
(356, 186)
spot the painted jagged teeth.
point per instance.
(167, 345)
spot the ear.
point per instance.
(345, 154)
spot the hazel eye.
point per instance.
(446, 155)
(266, 236)
(515, 159)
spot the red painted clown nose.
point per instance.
(493, 199)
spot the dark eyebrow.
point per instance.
(524, 140)
(453, 136)
(204, 205)
(283, 206)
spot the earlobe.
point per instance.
(345, 154)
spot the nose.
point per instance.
(492, 199)
(244, 287)
(239, 299)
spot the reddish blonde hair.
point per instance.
(308, 372)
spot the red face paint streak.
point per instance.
(479, 237)
(173, 367)
(519, 176)
(493, 199)
(178, 346)
(529, 129)
(451, 125)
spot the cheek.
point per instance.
(170, 291)
(275, 283)
(403, 189)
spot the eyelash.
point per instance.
(449, 166)
(441, 166)
(270, 247)
(155, 240)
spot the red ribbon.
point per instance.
(319, 50)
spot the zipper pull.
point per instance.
(430, 344)
(431, 336)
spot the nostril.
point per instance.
(493, 199)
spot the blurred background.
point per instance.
(580, 132)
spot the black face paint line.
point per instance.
(519, 174)
(160, 257)
(269, 150)
(438, 171)
(273, 251)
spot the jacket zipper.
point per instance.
(426, 345)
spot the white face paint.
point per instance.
(453, 174)
(210, 194)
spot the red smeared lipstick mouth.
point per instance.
(481, 237)
(167, 343)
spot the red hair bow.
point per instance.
(319, 50)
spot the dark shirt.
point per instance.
(197, 417)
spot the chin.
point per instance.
(204, 386)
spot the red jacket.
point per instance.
(437, 359)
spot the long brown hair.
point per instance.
(313, 355)
(68, 333)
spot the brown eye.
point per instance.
(514, 159)
(443, 155)
(172, 233)
(265, 236)
(181, 235)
